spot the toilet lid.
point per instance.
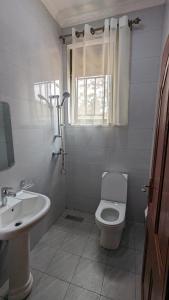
(114, 187)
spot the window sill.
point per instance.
(88, 125)
(95, 126)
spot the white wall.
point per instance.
(30, 52)
(94, 150)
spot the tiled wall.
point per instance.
(166, 22)
(94, 150)
(30, 52)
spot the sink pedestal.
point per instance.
(16, 220)
(20, 277)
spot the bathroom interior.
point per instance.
(79, 90)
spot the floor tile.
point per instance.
(88, 217)
(37, 275)
(138, 287)
(64, 224)
(95, 232)
(75, 243)
(94, 251)
(82, 228)
(41, 256)
(139, 262)
(139, 236)
(128, 237)
(63, 265)
(72, 212)
(123, 258)
(54, 237)
(89, 275)
(49, 288)
(118, 284)
(77, 293)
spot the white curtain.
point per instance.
(102, 61)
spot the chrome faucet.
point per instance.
(5, 192)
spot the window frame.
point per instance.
(72, 101)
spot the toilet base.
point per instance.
(110, 239)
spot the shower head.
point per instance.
(65, 96)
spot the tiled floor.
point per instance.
(69, 264)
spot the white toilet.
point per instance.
(110, 214)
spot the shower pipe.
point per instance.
(59, 106)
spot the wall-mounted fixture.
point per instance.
(59, 107)
(46, 100)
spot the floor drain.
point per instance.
(74, 218)
(18, 224)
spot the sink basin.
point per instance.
(22, 213)
(16, 219)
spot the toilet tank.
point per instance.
(114, 187)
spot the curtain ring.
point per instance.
(92, 30)
(77, 33)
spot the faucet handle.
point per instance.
(5, 191)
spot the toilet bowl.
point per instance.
(110, 214)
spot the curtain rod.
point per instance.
(93, 30)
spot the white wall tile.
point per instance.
(120, 149)
(30, 51)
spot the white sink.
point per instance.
(22, 213)
(16, 219)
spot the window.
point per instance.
(90, 93)
(91, 100)
(98, 74)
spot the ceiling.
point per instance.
(72, 12)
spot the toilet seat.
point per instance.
(117, 211)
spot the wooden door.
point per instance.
(155, 275)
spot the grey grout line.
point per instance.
(103, 280)
(79, 286)
(66, 290)
(81, 255)
(69, 282)
(106, 265)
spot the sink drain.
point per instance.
(18, 224)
